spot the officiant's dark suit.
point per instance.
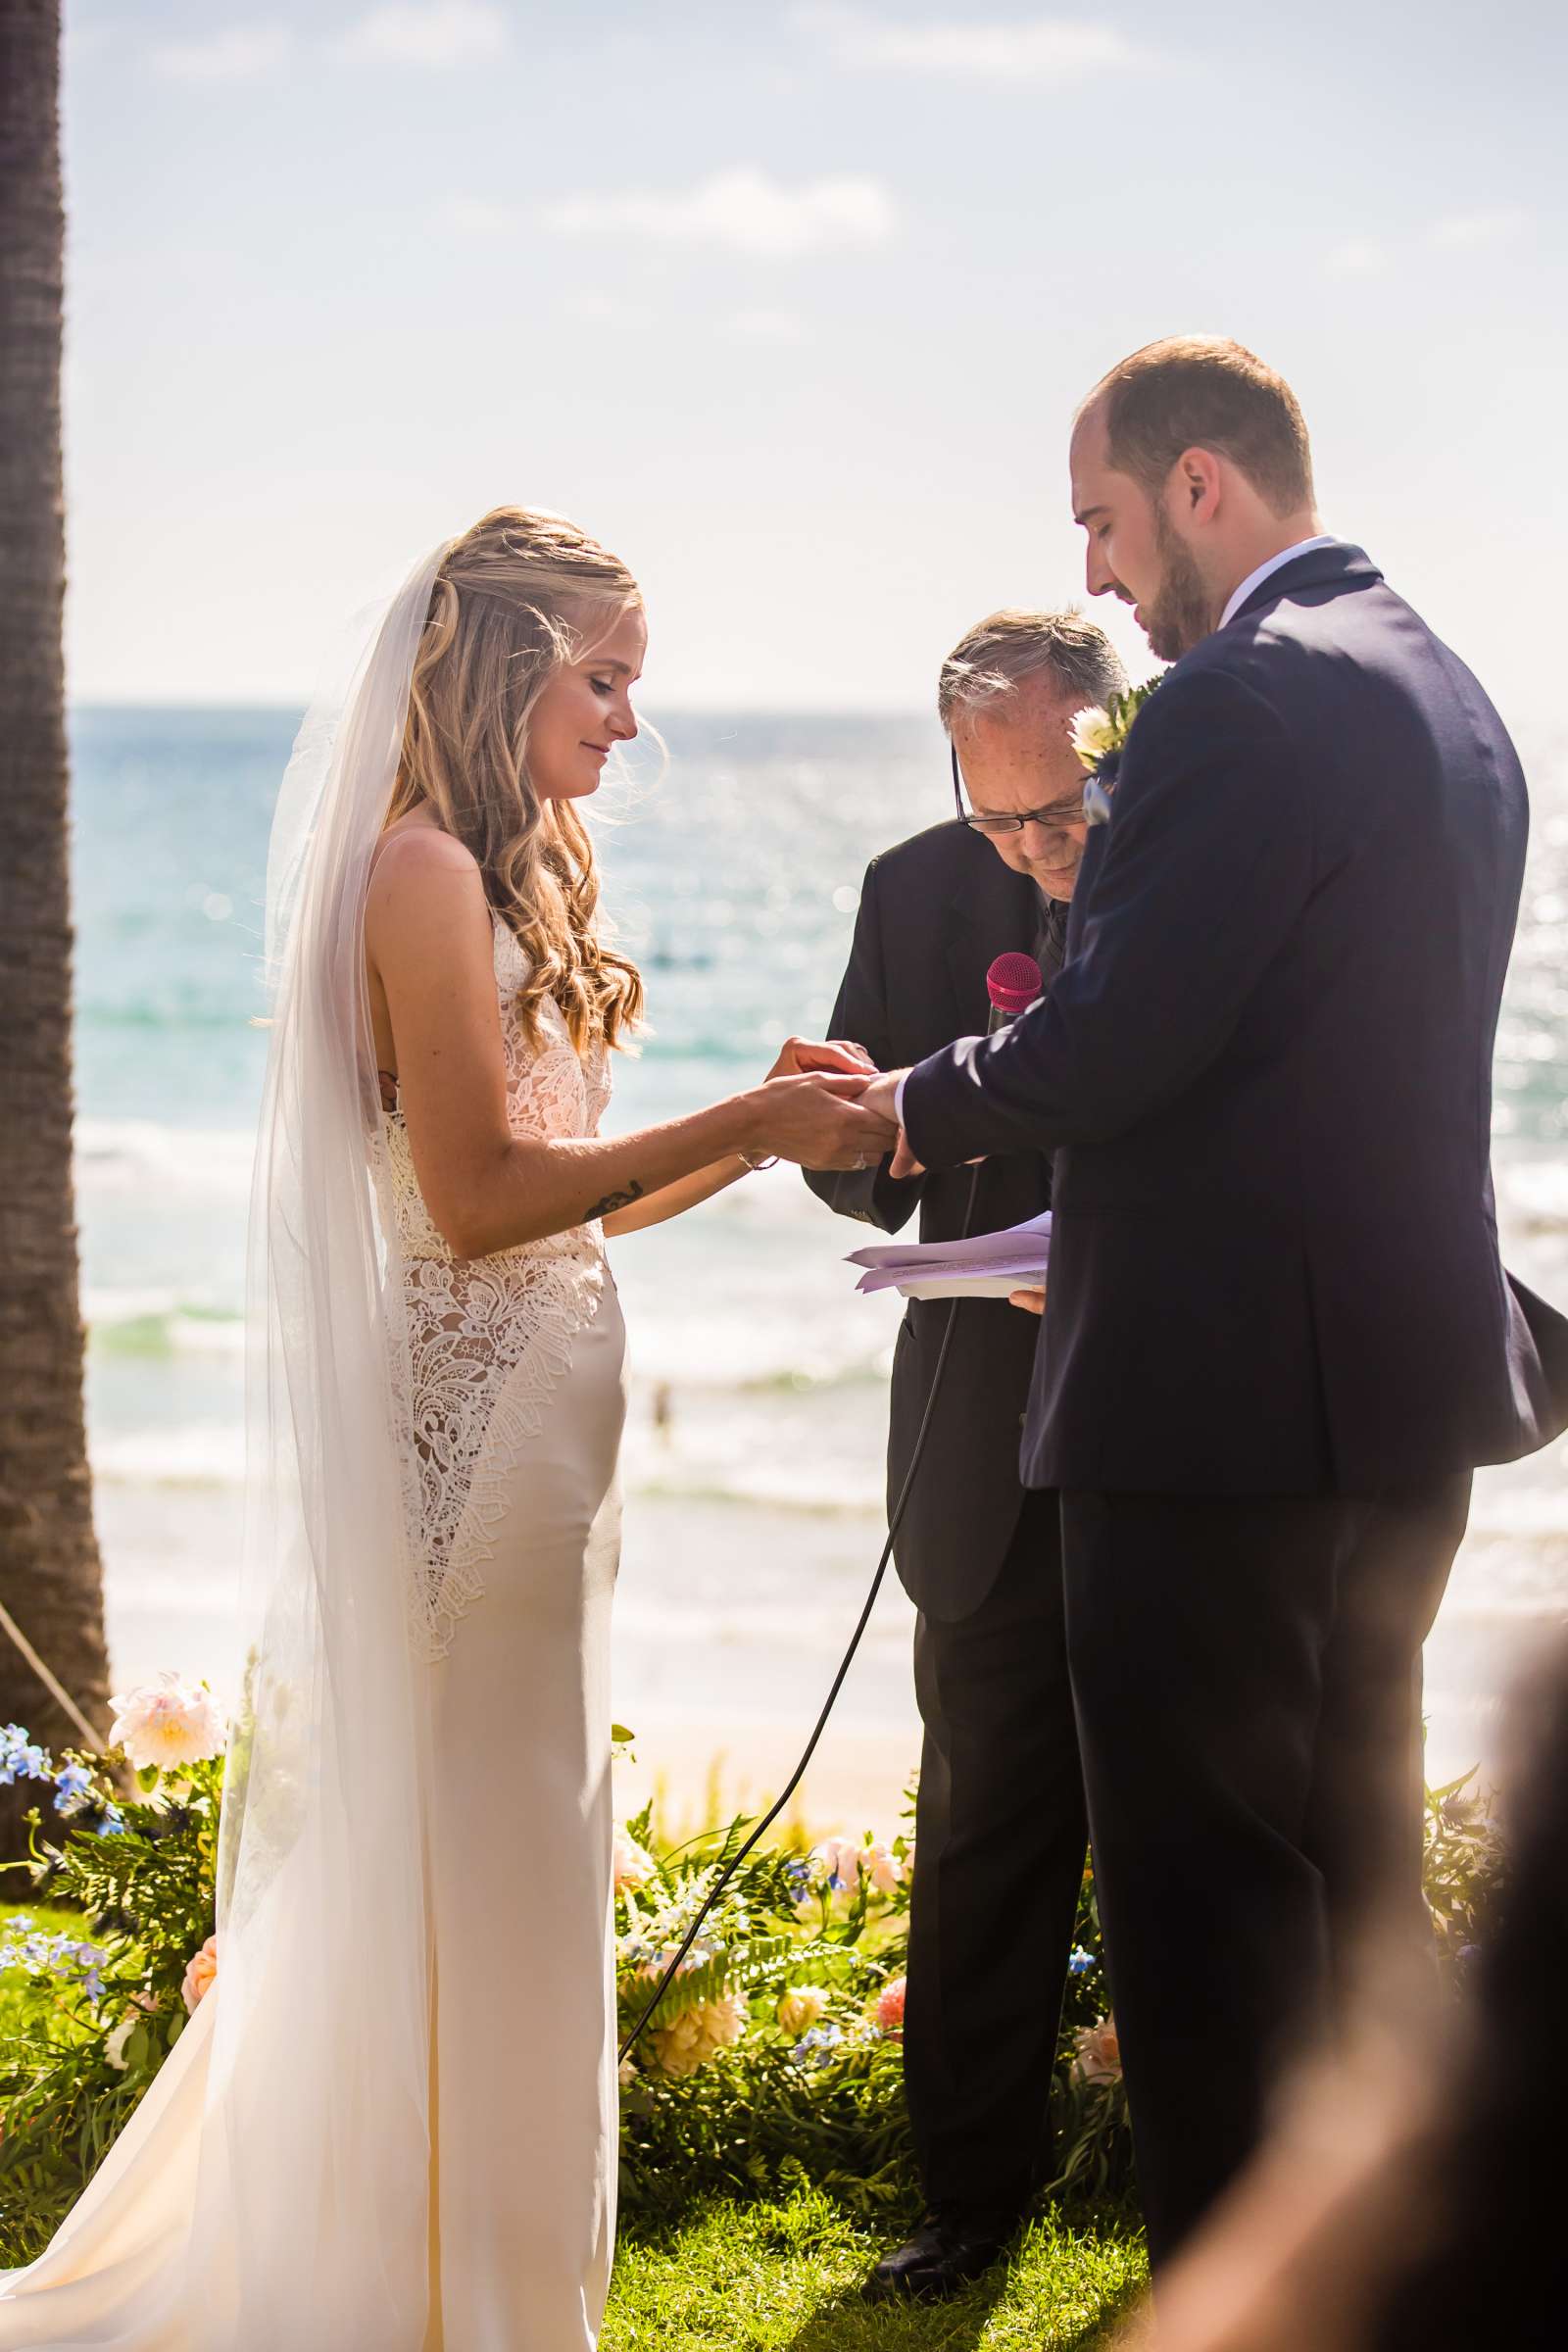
(1278, 1336)
(1001, 1826)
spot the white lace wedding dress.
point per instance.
(518, 1404)
(514, 1388)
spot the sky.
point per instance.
(788, 304)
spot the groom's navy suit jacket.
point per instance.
(1265, 1072)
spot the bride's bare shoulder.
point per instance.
(424, 885)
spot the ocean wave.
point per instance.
(128, 1152)
(208, 1453)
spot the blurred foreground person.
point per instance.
(1411, 2199)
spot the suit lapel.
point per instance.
(993, 911)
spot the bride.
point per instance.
(392, 2125)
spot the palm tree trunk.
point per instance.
(50, 1576)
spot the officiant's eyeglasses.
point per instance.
(1050, 820)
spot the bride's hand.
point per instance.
(798, 1056)
(818, 1121)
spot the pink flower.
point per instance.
(844, 1861)
(200, 1976)
(890, 2008)
(1097, 2050)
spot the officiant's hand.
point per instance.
(799, 1055)
(821, 1121)
(1033, 1302)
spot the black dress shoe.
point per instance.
(953, 2245)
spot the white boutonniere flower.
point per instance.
(1098, 737)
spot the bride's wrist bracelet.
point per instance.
(766, 1159)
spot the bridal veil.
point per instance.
(273, 2189)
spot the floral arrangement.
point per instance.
(772, 2059)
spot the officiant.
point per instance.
(1000, 1828)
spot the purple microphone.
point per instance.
(1012, 984)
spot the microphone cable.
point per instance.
(895, 1522)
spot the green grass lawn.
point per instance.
(788, 2279)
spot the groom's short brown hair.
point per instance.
(1205, 392)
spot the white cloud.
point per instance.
(608, 310)
(241, 54)
(427, 33)
(473, 216)
(1054, 50)
(1469, 232)
(766, 326)
(742, 211)
(1359, 257)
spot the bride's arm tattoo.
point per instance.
(612, 1201)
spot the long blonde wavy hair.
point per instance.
(517, 598)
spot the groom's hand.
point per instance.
(882, 1097)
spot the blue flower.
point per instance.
(1081, 1962)
(815, 2048)
(72, 1786)
(113, 1824)
(19, 1757)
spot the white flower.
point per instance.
(1094, 734)
(167, 1724)
(634, 1866)
(114, 2046)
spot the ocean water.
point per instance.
(754, 1459)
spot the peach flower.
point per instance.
(634, 1866)
(1097, 2050)
(694, 2037)
(200, 1976)
(800, 2007)
(168, 1723)
(881, 1866)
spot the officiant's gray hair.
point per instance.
(996, 655)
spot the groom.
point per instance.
(1278, 1337)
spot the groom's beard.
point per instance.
(1182, 614)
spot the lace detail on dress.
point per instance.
(489, 1338)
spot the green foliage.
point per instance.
(1123, 708)
(771, 2067)
(1462, 1871)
